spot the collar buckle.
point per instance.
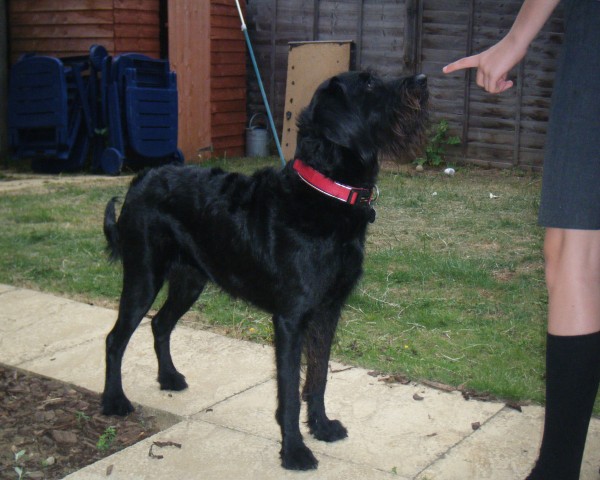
(360, 196)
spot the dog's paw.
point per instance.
(328, 431)
(172, 381)
(298, 458)
(117, 405)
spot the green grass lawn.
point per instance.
(453, 289)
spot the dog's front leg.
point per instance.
(319, 336)
(288, 349)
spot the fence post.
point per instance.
(3, 81)
(518, 105)
(410, 36)
(467, 86)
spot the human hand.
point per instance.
(493, 65)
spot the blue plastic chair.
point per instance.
(140, 108)
(49, 118)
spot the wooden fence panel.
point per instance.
(375, 26)
(499, 130)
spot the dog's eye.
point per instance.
(367, 81)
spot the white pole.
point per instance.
(241, 15)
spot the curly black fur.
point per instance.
(267, 238)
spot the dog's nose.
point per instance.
(421, 79)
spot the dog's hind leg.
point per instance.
(295, 455)
(139, 291)
(185, 286)
(319, 336)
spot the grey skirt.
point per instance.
(571, 179)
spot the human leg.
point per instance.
(573, 281)
(573, 349)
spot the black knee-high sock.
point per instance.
(572, 377)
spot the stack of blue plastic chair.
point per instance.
(49, 118)
(139, 104)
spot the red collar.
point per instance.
(331, 188)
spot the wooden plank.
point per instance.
(136, 17)
(142, 5)
(220, 94)
(228, 22)
(304, 76)
(146, 46)
(86, 17)
(225, 130)
(189, 24)
(229, 146)
(224, 10)
(58, 5)
(225, 58)
(228, 106)
(226, 34)
(52, 32)
(147, 32)
(230, 82)
(228, 70)
(52, 46)
(232, 145)
(228, 45)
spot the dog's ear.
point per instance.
(331, 110)
(338, 119)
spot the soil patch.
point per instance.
(50, 429)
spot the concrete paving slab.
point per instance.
(6, 288)
(215, 367)
(503, 448)
(212, 452)
(34, 324)
(229, 429)
(388, 429)
(506, 448)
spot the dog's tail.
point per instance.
(111, 232)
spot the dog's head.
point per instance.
(355, 117)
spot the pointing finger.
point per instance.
(466, 62)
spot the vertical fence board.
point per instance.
(3, 81)
(189, 24)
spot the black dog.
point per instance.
(290, 241)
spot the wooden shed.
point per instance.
(208, 51)
(202, 39)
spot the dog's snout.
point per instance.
(421, 79)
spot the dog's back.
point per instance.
(258, 236)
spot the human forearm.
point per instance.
(530, 20)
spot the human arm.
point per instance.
(494, 63)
